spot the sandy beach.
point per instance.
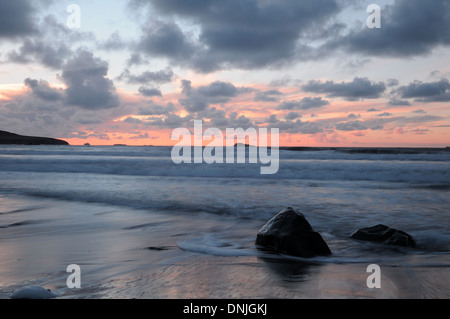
(125, 254)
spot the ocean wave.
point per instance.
(432, 173)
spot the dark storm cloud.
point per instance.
(244, 34)
(159, 77)
(87, 85)
(359, 88)
(426, 92)
(409, 28)
(257, 34)
(304, 104)
(16, 18)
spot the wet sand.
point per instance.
(126, 254)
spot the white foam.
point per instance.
(211, 244)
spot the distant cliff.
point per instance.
(7, 138)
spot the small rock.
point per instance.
(33, 292)
(384, 234)
(290, 233)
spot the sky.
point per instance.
(131, 71)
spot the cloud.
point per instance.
(426, 92)
(420, 119)
(379, 123)
(85, 119)
(392, 82)
(267, 96)
(369, 124)
(156, 109)
(17, 19)
(292, 116)
(165, 40)
(167, 121)
(114, 42)
(87, 84)
(420, 131)
(42, 90)
(359, 88)
(133, 120)
(51, 55)
(409, 28)
(293, 126)
(304, 104)
(238, 34)
(199, 99)
(255, 34)
(298, 127)
(140, 136)
(396, 102)
(149, 92)
(351, 126)
(218, 89)
(159, 77)
(48, 47)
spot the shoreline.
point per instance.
(211, 277)
(129, 254)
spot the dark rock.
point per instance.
(33, 292)
(7, 138)
(386, 235)
(290, 233)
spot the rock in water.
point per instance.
(290, 233)
(386, 235)
(33, 292)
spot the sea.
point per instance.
(339, 190)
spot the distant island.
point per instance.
(7, 138)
